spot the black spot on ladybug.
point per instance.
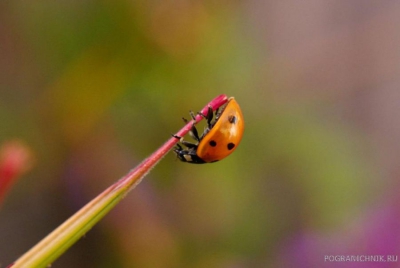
(232, 119)
(213, 143)
(231, 146)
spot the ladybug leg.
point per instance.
(189, 155)
(189, 144)
(186, 143)
(180, 153)
(217, 113)
(208, 117)
(192, 115)
(176, 136)
(193, 132)
(179, 147)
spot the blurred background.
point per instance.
(94, 87)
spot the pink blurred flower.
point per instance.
(15, 159)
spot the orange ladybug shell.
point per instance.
(224, 136)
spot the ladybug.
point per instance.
(219, 139)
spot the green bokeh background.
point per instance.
(93, 87)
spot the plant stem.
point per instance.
(58, 241)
